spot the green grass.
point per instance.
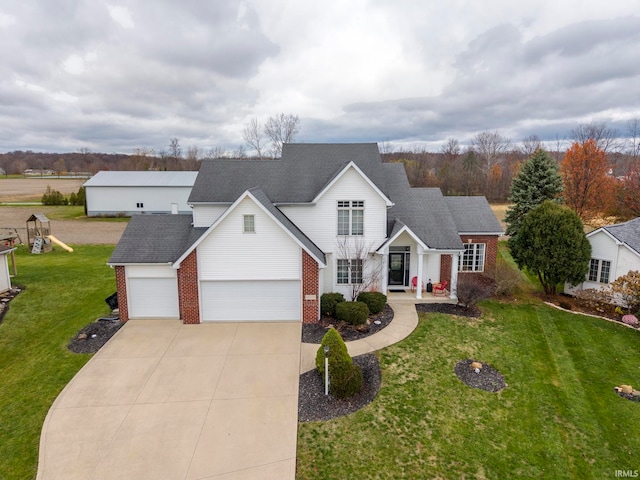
(64, 292)
(558, 417)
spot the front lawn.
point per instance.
(64, 292)
(558, 417)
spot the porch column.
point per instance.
(455, 259)
(385, 274)
(419, 282)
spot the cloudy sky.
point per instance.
(117, 75)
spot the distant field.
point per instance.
(30, 189)
(500, 210)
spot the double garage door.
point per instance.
(265, 300)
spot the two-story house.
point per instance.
(267, 238)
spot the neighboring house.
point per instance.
(615, 251)
(268, 237)
(5, 279)
(136, 192)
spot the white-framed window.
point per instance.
(351, 217)
(473, 258)
(249, 223)
(599, 270)
(349, 271)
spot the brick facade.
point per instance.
(445, 268)
(490, 250)
(188, 299)
(121, 288)
(310, 289)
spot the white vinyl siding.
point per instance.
(278, 300)
(320, 221)
(152, 292)
(5, 279)
(206, 215)
(269, 254)
(114, 200)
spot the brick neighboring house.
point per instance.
(267, 238)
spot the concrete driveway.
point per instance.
(163, 400)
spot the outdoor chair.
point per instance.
(414, 284)
(440, 288)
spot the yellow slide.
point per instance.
(62, 244)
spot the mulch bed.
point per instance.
(577, 305)
(488, 378)
(92, 337)
(314, 406)
(629, 396)
(5, 299)
(313, 332)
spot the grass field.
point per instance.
(64, 292)
(558, 417)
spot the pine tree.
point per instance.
(538, 180)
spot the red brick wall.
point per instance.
(310, 287)
(490, 251)
(445, 268)
(188, 289)
(121, 288)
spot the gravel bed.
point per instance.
(313, 332)
(488, 378)
(629, 396)
(92, 337)
(314, 406)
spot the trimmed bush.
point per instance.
(328, 302)
(354, 313)
(474, 287)
(374, 300)
(345, 377)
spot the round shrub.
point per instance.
(328, 302)
(374, 300)
(354, 313)
(345, 377)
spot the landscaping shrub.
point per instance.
(53, 197)
(328, 302)
(345, 377)
(354, 313)
(374, 300)
(474, 287)
(508, 279)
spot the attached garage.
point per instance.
(152, 292)
(264, 300)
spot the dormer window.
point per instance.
(351, 217)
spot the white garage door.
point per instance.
(153, 297)
(272, 300)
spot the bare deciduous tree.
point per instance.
(530, 144)
(214, 152)
(633, 142)
(175, 151)
(281, 129)
(491, 148)
(368, 265)
(606, 138)
(253, 134)
(240, 152)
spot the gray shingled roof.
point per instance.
(155, 239)
(627, 232)
(288, 224)
(473, 215)
(302, 172)
(142, 179)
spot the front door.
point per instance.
(396, 269)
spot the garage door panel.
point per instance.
(153, 297)
(274, 300)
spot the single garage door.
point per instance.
(153, 297)
(272, 300)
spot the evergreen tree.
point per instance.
(538, 180)
(551, 243)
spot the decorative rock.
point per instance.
(476, 365)
(82, 336)
(630, 320)
(626, 388)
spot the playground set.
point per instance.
(39, 237)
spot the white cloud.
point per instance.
(121, 15)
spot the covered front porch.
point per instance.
(412, 269)
(410, 297)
